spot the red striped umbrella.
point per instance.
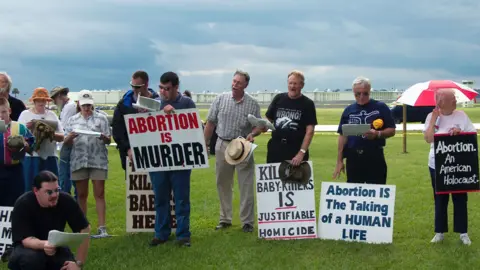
(423, 94)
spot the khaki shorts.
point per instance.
(89, 173)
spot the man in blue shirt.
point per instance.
(165, 181)
(139, 85)
(364, 154)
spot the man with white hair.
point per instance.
(365, 160)
(16, 105)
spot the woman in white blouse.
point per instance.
(89, 134)
(446, 119)
(46, 157)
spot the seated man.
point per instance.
(34, 215)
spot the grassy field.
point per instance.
(332, 116)
(233, 249)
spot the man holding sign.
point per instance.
(447, 120)
(177, 180)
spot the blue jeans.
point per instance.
(163, 183)
(64, 175)
(33, 165)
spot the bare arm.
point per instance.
(208, 132)
(33, 243)
(387, 133)
(83, 249)
(310, 131)
(342, 140)
(430, 132)
(59, 137)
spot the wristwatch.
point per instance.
(79, 264)
(303, 151)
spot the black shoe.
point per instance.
(155, 242)
(247, 228)
(223, 225)
(184, 242)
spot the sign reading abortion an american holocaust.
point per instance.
(456, 163)
(164, 142)
(284, 210)
(356, 212)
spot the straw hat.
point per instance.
(40, 93)
(237, 150)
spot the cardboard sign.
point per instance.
(284, 210)
(140, 203)
(5, 228)
(456, 163)
(357, 212)
(164, 142)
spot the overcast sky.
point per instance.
(98, 44)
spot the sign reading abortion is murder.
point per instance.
(164, 142)
(356, 212)
(5, 228)
(456, 163)
(284, 210)
(141, 203)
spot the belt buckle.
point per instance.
(360, 151)
(283, 141)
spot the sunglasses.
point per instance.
(164, 88)
(136, 86)
(365, 94)
(50, 191)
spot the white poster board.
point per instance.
(284, 211)
(164, 142)
(357, 212)
(5, 228)
(140, 203)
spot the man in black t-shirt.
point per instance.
(34, 215)
(294, 117)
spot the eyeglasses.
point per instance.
(50, 191)
(164, 88)
(365, 94)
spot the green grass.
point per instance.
(233, 249)
(332, 116)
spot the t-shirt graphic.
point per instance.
(287, 119)
(363, 117)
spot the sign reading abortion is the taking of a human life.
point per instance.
(357, 212)
(284, 210)
(456, 163)
(140, 203)
(165, 142)
(5, 228)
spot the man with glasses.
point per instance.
(365, 160)
(34, 215)
(139, 84)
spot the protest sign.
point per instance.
(5, 228)
(164, 142)
(141, 203)
(456, 163)
(356, 212)
(284, 210)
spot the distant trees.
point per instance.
(15, 92)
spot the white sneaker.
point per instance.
(437, 238)
(465, 239)
(101, 233)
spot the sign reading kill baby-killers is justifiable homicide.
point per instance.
(141, 203)
(456, 163)
(165, 142)
(284, 210)
(357, 212)
(5, 228)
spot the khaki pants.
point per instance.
(224, 173)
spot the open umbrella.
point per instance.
(423, 94)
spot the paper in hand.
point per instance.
(63, 239)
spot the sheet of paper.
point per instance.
(87, 132)
(355, 129)
(63, 239)
(251, 151)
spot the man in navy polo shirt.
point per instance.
(364, 154)
(178, 181)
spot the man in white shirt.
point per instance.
(67, 108)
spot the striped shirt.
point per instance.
(13, 129)
(230, 116)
